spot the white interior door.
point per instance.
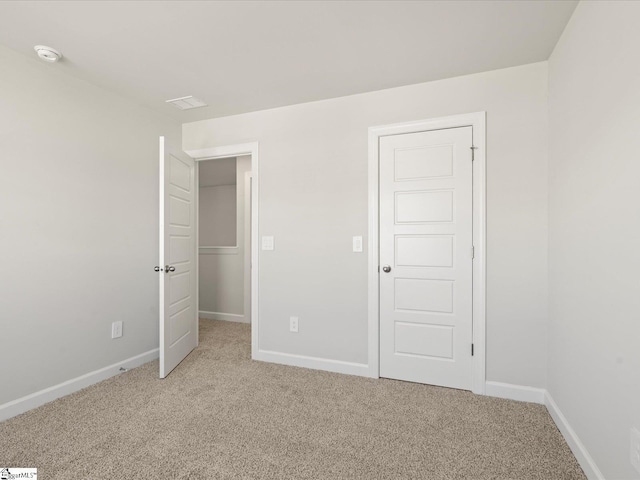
(426, 215)
(178, 307)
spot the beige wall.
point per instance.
(217, 216)
(313, 199)
(594, 354)
(79, 223)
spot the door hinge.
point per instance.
(473, 252)
(472, 349)
(473, 153)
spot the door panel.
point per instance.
(424, 207)
(424, 340)
(422, 295)
(426, 238)
(424, 250)
(423, 162)
(178, 308)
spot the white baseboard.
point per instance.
(540, 395)
(493, 389)
(315, 363)
(515, 392)
(227, 317)
(28, 402)
(585, 460)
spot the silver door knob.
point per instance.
(386, 269)
(157, 269)
(169, 268)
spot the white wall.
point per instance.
(217, 216)
(221, 271)
(79, 223)
(594, 349)
(313, 199)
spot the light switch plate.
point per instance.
(267, 243)
(116, 329)
(357, 244)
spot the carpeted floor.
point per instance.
(220, 415)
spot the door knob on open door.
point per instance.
(157, 269)
(386, 269)
(169, 268)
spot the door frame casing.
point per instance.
(247, 244)
(237, 150)
(478, 123)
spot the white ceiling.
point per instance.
(241, 56)
(213, 173)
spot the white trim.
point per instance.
(542, 396)
(226, 317)
(237, 150)
(161, 252)
(374, 258)
(34, 400)
(218, 250)
(510, 391)
(224, 151)
(478, 122)
(198, 253)
(246, 310)
(314, 363)
(585, 460)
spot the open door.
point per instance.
(177, 266)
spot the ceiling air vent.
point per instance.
(187, 103)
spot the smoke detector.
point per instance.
(186, 103)
(47, 54)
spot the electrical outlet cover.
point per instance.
(293, 324)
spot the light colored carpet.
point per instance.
(220, 415)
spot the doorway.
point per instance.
(426, 247)
(179, 246)
(251, 217)
(224, 203)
